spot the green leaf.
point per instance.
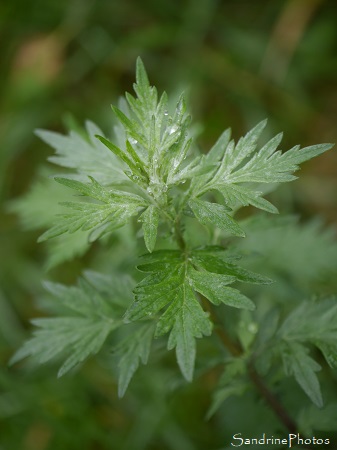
(231, 382)
(155, 292)
(135, 164)
(245, 147)
(236, 195)
(140, 165)
(312, 323)
(214, 287)
(312, 419)
(217, 262)
(150, 219)
(118, 207)
(132, 128)
(133, 350)
(267, 167)
(268, 325)
(216, 153)
(86, 217)
(228, 156)
(297, 363)
(35, 212)
(116, 287)
(66, 248)
(142, 80)
(81, 333)
(304, 253)
(162, 141)
(242, 164)
(34, 208)
(169, 287)
(87, 157)
(146, 103)
(211, 163)
(315, 320)
(187, 321)
(159, 260)
(94, 190)
(217, 215)
(99, 192)
(315, 323)
(81, 337)
(329, 351)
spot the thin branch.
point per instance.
(179, 235)
(265, 392)
(272, 401)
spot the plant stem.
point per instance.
(236, 350)
(271, 400)
(233, 347)
(179, 235)
(265, 392)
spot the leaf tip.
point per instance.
(141, 75)
(251, 307)
(263, 123)
(126, 317)
(121, 391)
(41, 238)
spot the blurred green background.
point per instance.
(65, 61)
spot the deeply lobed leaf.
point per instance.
(88, 320)
(117, 208)
(173, 280)
(240, 163)
(133, 350)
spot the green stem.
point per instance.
(179, 235)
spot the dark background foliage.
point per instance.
(64, 61)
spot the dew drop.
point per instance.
(173, 129)
(133, 141)
(166, 113)
(134, 178)
(252, 328)
(175, 164)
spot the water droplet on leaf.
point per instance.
(173, 129)
(252, 328)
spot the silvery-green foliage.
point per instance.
(151, 175)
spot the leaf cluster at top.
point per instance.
(155, 154)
